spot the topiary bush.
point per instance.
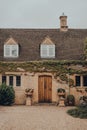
(7, 95)
(70, 100)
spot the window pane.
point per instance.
(11, 50)
(51, 51)
(11, 80)
(85, 80)
(4, 79)
(14, 50)
(18, 80)
(77, 79)
(43, 50)
(47, 51)
(7, 50)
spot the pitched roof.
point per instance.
(69, 45)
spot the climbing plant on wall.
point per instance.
(60, 69)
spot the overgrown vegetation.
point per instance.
(78, 112)
(81, 110)
(7, 95)
(41, 66)
(59, 69)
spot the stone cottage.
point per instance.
(40, 58)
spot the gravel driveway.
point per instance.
(39, 118)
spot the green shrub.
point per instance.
(73, 112)
(7, 95)
(81, 110)
(70, 101)
(83, 102)
(78, 112)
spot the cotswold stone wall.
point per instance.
(30, 80)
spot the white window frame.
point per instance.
(8, 53)
(46, 48)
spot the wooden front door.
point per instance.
(45, 89)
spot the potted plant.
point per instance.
(61, 91)
(70, 100)
(61, 94)
(29, 92)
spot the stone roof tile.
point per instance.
(69, 45)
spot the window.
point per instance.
(11, 80)
(18, 80)
(4, 79)
(47, 51)
(78, 81)
(85, 80)
(11, 51)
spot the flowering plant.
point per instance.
(29, 90)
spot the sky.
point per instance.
(42, 13)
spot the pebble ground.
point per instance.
(39, 118)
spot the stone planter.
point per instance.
(61, 99)
(28, 101)
(61, 102)
(29, 94)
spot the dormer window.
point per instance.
(47, 49)
(11, 48)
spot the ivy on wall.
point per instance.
(59, 69)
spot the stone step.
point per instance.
(45, 104)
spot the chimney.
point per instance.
(63, 23)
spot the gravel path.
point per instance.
(39, 118)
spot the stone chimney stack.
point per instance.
(63, 23)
